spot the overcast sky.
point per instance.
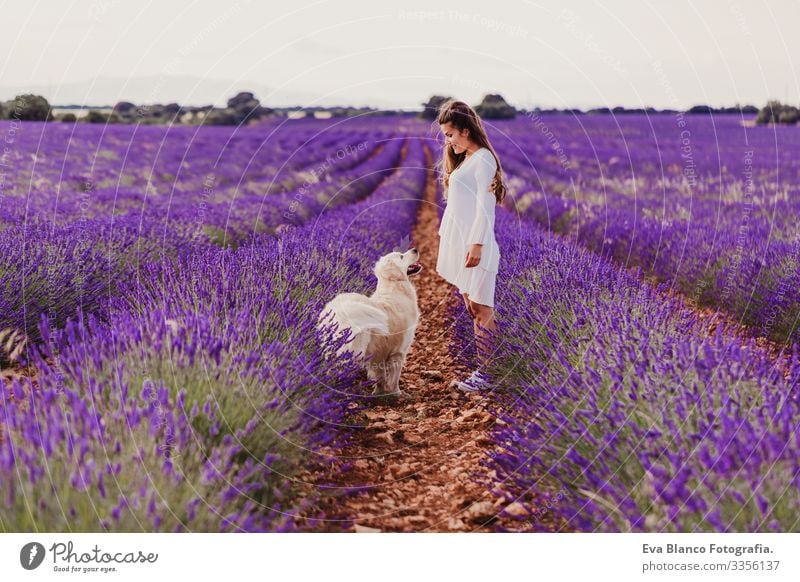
(581, 54)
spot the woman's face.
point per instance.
(457, 141)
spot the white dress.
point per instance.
(469, 219)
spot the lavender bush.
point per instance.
(193, 399)
(704, 203)
(620, 413)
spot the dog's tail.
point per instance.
(354, 311)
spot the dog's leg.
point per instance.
(394, 367)
(376, 371)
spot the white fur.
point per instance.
(382, 324)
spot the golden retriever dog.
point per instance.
(382, 324)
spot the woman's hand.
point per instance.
(473, 256)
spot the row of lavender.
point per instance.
(82, 208)
(620, 413)
(65, 173)
(203, 391)
(706, 204)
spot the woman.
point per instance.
(468, 252)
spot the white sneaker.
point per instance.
(475, 383)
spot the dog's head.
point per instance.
(398, 266)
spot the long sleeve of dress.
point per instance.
(482, 228)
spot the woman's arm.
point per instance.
(485, 168)
(473, 256)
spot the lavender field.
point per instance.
(705, 204)
(162, 285)
(179, 381)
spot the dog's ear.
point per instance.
(389, 271)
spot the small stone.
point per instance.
(516, 509)
(486, 418)
(365, 529)
(412, 439)
(455, 523)
(434, 375)
(481, 511)
(402, 471)
(484, 439)
(385, 437)
(467, 416)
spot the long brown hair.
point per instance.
(461, 116)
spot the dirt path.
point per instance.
(416, 463)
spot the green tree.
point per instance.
(430, 110)
(494, 106)
(222, 117)
(95, 116)
(29, 107)
(777, 112)
(245, 106)
(789, 116)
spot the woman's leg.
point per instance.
(469, 305)
(482, 320)
(484, 326)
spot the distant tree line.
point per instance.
(695, 110)
(495, 107)
(240, 109)
(244, 107)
